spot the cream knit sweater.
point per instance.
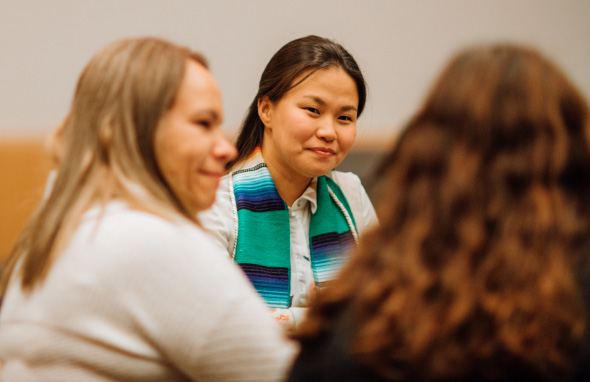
(137, 298)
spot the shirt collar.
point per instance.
(310, 194)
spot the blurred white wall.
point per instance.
(400, 45)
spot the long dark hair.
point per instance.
(484, 225)
(311, 52)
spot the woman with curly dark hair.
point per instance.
(479, 268)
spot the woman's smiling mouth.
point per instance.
(324, 152)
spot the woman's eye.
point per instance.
(312, 110)
(345, 118)
(204, 123)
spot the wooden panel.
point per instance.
(24, 166)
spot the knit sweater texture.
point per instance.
(134, 297)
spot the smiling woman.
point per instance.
(282, 212)
(113, 279)
(309, 131)
(190, 147)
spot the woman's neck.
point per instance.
(289, 186)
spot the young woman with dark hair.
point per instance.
(282, 213)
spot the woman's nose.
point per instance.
(326, 130)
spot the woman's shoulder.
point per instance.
(349, 183)
(344, 178)
(123, 243)
(122, 227)
(118, 216)
(357, 197)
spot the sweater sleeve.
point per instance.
(197, 309)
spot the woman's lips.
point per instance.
(213, 174)
(323, 152)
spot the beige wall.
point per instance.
(399, 44)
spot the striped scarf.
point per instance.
(262, 247)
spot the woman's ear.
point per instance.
(265, 110)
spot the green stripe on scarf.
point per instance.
(263, 241)
(330, 233)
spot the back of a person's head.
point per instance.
(484, 221)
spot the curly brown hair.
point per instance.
(484, 220)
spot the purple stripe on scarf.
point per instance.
(260, 205)
(326, 244)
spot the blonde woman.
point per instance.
(113, 278)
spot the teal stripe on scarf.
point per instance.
(330, 236)
(263, 244)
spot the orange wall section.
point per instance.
(24, 166)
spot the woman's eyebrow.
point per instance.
(207, 113)
(321, 102)
(316, 99)
(349, 107)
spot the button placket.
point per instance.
(302, 275)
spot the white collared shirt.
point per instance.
(302, 280)
(219, 220)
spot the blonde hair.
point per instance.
(105, 147)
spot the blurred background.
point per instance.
(400, 45)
